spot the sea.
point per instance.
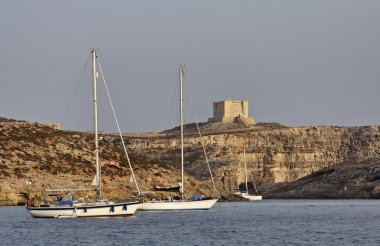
(267, 222)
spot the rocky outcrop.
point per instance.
(353, 180)
(53, 159)
(274, 153)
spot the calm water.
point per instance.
(270, 222)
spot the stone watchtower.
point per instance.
(231, 111)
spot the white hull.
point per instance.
(97, 210)
(176, 205)
(251, 197)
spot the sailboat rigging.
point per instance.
(67, 208)
(183, 204)
(245, 193)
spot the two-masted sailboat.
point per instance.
(182, 204)
(97, 208)
(245, 193)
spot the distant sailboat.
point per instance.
(197, 202)
(245, 193)
(67, 208)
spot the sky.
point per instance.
(297, 62)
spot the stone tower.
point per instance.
(231, 111)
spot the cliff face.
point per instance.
(53, 159)
(274, 154)
(351, 179)
(63, 159)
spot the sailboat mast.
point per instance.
(246, 176)
(180, 70)
(94, 77)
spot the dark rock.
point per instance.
(351, 180)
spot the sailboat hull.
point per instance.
(177, 205)
(252, 197)
(101, 210)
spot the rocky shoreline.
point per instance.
(350, 180)
(286, 163)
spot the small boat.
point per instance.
(173, 188)
(67, 207)
(245, 193)
(197, 202)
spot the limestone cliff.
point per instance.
(352, 179)
(57, 159)
(274, 153)
(52, 159)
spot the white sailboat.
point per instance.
(99, 208)
(245, 193)
(198, 204)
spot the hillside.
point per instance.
(64, 159)
(353, 180)
(275, 154)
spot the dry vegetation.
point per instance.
(64, 159)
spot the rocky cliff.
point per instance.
(52, 159)
(352, 179)
(274, 153)
(55, 159)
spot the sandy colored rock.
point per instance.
(274, 153)
(54, 159)
(351, 180)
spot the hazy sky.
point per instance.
(298, 62)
